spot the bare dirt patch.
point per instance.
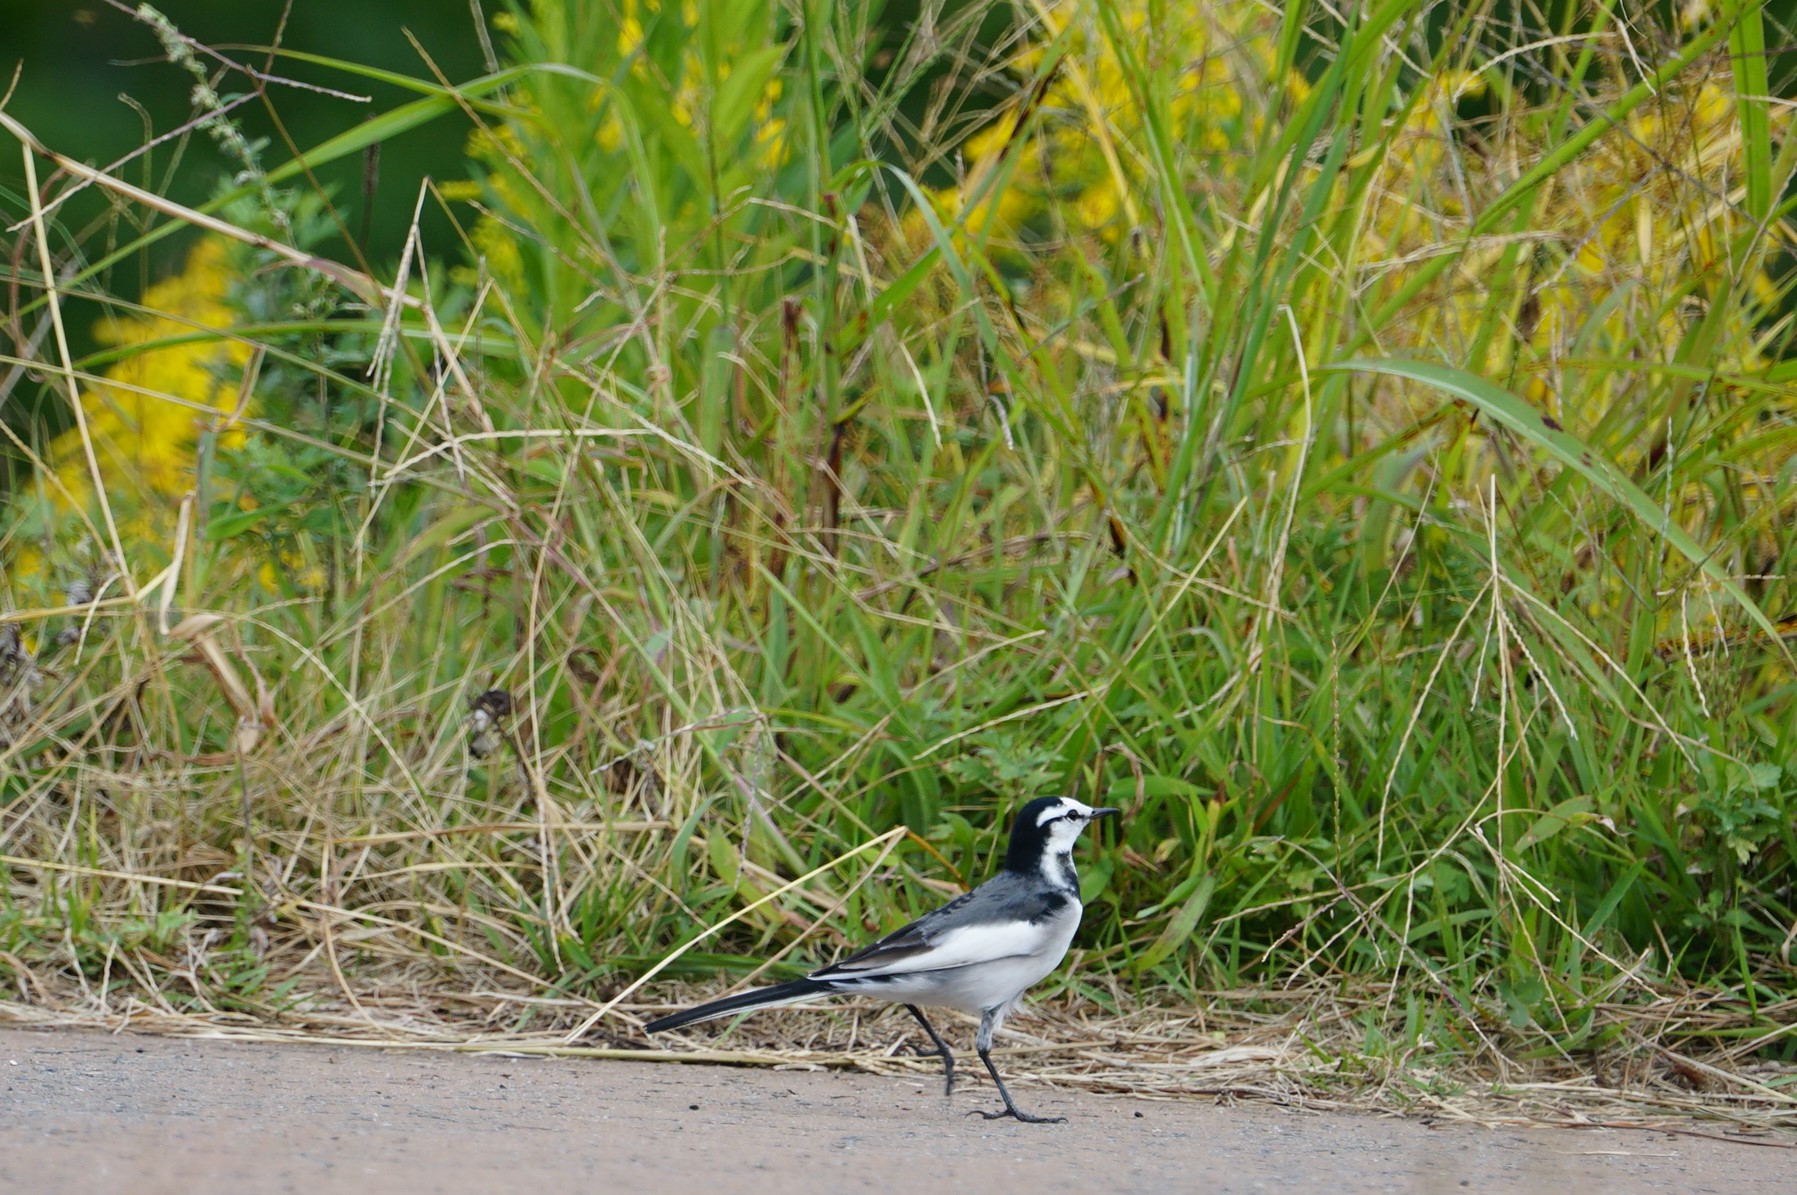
(92, 1111)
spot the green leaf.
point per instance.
(1125, 788)
(1179, 928)
(1573, 812)
(738, 95)
(1755, 777)
(724, 859)
(230, 526)
(1747, 55)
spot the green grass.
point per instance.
(791, 503)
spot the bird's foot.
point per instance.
(1016, 1114)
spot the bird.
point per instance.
(976, 954)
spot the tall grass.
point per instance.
(1360, 448)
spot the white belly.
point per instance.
(976, 987)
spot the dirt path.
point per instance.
(90, 1112)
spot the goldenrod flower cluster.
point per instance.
(176, 380)
(1620, 246)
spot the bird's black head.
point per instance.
(1046, 828)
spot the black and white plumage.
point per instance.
(978, 953)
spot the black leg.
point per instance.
(941, 1050)
(1011, 1109)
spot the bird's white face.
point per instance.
(1063, 821)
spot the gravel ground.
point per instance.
(83, 1111)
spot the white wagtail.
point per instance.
(978, 953)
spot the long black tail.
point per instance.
(780, 993)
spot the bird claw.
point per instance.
(1014, 1114)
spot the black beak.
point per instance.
(1098, 813)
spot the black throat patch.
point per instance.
(1028, 851)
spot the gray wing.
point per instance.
(1002, 918)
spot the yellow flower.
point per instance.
(459, 190)
(499, 247)
(630, 36)
(145, 427)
